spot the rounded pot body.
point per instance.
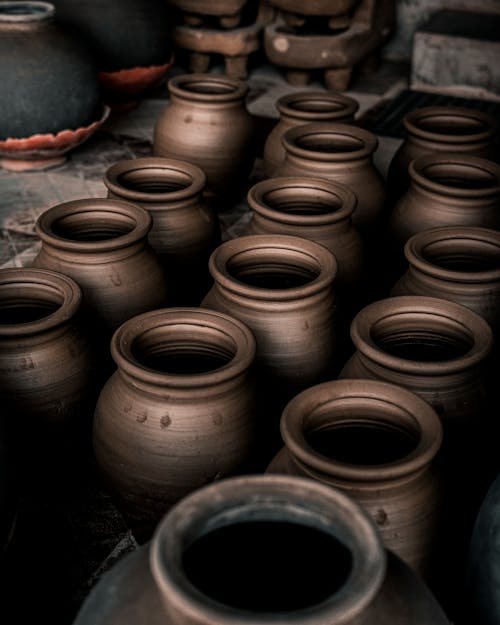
(206, 123)
(447, 190)
(249, 550)
(102, 244)
(461, 264)
(185, 230)
(124, 34)
(179, 410)
(304, 107)
(316, 209)
(342, 153)
(432, 129)
(376, 442)
(49, 77)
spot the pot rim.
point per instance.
(112, 179)
(68, 289)
(120, 208)
(293, 424)
(285, 244)
(417, 167)
(268, 497)
(413, 118)
(292, 135)
(347, 106)
(172, 318)
(256, 198)
(238, 88)
(41, 11)
(414, 251)
(417, 305)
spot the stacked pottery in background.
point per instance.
(430, 129)
(304, 107)
(131, 40)
(185, 230)
(281, 286)
(273, 538)
(179, 411)
(50, 99)
(206, 123)
(376, 442)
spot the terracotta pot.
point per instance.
(179, 410)
(206, 123)
(481, 600)
(304, 107)
(432, 129)
(342, 153)
(102, 245)
(130, 38)
(49, 77)
(46, 376)
(250, 550)
(374, 441)
(461, 264)
(316, 209)
(185, 230)
(447, 190)
(281, 287)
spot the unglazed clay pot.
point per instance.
(255, 549)
(342, 153)
(206, 123)
(304, 107)
(447, 190)
(102, 244)
(432, 129)
(281, 287)
(179, 410)
(131, 40)
(47, 380)
(438, 349)
(49, 77)
(315, 209)
(185, 230)
(376, 442)
(461, 264)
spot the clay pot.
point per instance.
(206, 123)
(342, 153)
(185, 230)
(376, 442)
(482, 601)
(46, 376)
(102, 245)
(179, 410)
(316, 209)
(447, 190)
(131, 40)
(304, 107)
(254, 550)
(57, 88)
(432, 129)
(461, 264)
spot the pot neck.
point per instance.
(26, 15)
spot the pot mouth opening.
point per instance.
(175, 351)
(267, 565)
(456, 176)
(155, 180)
(452, 124)
(431, 342)
(93, 226)
(208, 88)
(363, 441)
(463, 255)
(318, 106)
(21, 12)
(304, 202)
(329, 143)
(22, 303)
(268, 271)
